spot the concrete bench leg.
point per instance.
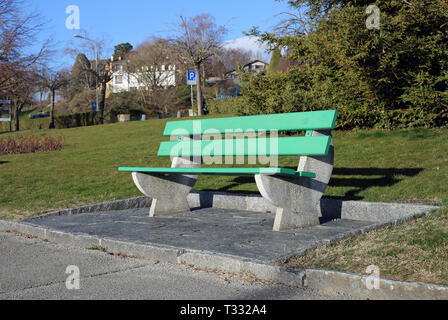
(298, 199)
(168, 192)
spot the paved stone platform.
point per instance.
(242, 234)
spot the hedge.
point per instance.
(63, 122)
(224, 106)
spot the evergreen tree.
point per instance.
(275, 60)
(392, 74)
(122, 49)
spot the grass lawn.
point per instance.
(405, 165)
(381, 166)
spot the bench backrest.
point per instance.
(282, 146)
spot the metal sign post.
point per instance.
(191, 81)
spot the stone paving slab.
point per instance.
(242, 234)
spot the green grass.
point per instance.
(405, 165)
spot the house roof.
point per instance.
(252, 62)
(247, 64)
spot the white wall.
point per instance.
(134, 80)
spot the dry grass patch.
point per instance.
(415, 251)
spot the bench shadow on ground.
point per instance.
(357, 179)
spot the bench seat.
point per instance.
(286, 172)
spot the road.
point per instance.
(38, 270)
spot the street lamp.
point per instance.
(96, 67)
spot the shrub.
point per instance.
(29, 144)
(294, 91)
(224, 106)
(76, 120)
(395, 76)
(82, 102)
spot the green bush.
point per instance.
(124, 101)
(396, 76)
(33, 124)
(293, 91)
(67, 121)
(82, 102)
(224, 106)
(76, 120)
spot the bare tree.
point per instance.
(234, 58)
(198, 39)
(53, 81)
(154, 66)
(21, 92)
(18, 32)
(104, 75)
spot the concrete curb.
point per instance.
(132, 203)
(331, 208)
(356, 286)
(260, 270)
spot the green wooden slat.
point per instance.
(314, 120)
(223, 171)
(290, 146)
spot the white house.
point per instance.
(122, 80)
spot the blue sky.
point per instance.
(136, 20)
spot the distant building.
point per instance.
(256, 67)
(123, 81)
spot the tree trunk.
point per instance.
(16, 117)
(53, 93)
(41, 94)
(102, 103)
(199, 88)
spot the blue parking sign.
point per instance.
(191, 78)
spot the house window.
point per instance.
(118, 79)
(117, 68)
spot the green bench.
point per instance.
(295, 193)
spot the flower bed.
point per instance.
(29, 144)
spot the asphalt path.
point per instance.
(32, 269)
